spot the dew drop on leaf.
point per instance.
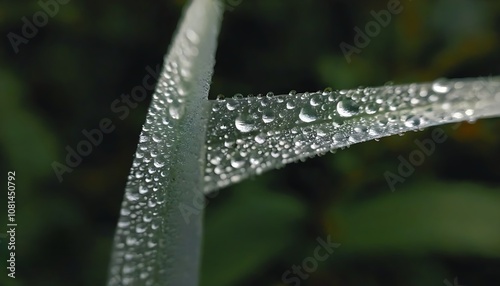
(412, 121)
(347, 108)
(237, 161)
(440, 86)
(307, 114)
(315, 100)
(268, 116)
(260, 138)
(132, 196)
(143, 190)
(245, 123)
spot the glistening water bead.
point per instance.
(307, 114)
(245, 123)
(347, 108)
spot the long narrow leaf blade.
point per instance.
(154, 243)
(248, 136)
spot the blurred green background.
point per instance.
(442, 222)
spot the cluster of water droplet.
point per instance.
(140, 227)
(249, 135)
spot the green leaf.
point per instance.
(251, 135)
(156, 242)
(250, 229)
(456, 219)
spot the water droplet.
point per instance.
(371, 108)
(290, 104)
(141, 227)
(237, 161)
(315, 100)
(232, 104)
(130, 241)
(412, 121)
(375, 130)
(143, 189)
(147, 218)
(215, 160)
(176, 110)
(192, 36)
(131, 196)
(268, 116)
(299, 140)
(158, 164)
(152, 203)
(260, 138)
(155, 224)
(347, 108)
(245, 123)
(123, 223)
(338, 137)
(440, 86)
(307, 114)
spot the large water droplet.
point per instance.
(245, 123)
(307, 114)
(315, 100)
(347, 108)
(290, 104)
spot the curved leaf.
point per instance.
(154, 244)
(248, 136)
